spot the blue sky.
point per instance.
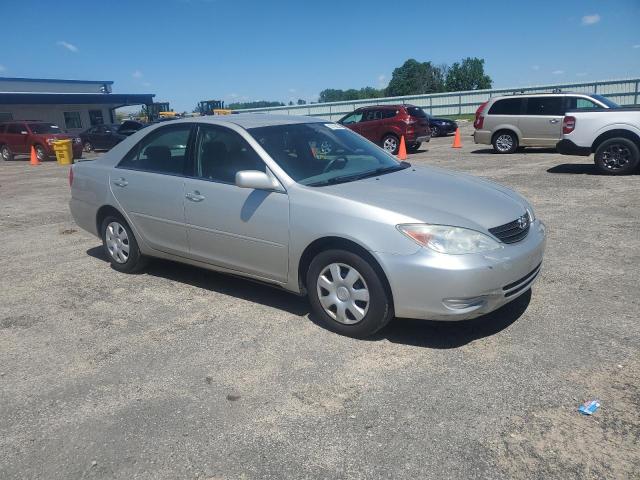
(189, 50)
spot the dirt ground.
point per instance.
(184, 373)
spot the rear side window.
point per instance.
(371, 115)
(389, 113)
(545, 106)
(506, 106)
(162, 151)
(416, 112)
(16, 128)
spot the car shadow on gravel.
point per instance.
(523, 151)
(444, 335)
(575, 168)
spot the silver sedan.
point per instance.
(311, 207)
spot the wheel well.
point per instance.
(332, 243)
(104, 212)
(620, 133)
(504, 130)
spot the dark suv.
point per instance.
(17, 138)
(386, 124)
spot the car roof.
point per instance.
(251, 120)
(386, 106)
(545, 94)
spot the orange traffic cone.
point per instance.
(34, 157)
(457, 142)
(402, 151)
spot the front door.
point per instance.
(541, 125)
(149, 185)
(370, 125)
(17, 135)
(228, 226)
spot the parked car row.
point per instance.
(105, 137)
(18, 137)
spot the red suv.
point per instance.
(17, 138)
(386, 124)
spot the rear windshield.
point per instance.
(40, 128)
(416, 112)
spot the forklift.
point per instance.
(212, 107)
(158, 111)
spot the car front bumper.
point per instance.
(432, 286)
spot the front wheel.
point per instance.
(120, 246)
(391, 144)
(87, 147)
(347, 294)
(435, 131)
(505, 142)
(617, 156)
(40, 153)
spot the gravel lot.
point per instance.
(183, 373)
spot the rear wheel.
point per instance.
(391, 144)
(40, 153)
(120, 246)
(6, 153)
(505, 142)
(617, 156)
(347, 294)
(87, 147)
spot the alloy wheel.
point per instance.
(6, 153)
(390, 144)
(504, 142)
(616, 156)
(117, 242)
(40, 153)
(343, 293)
(434, 131)
(88, 147)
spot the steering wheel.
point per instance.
(333, 163)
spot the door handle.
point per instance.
(194, 196)
(554, 120)
(121, 182)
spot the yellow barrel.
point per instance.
(64, 151)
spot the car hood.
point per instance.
(433, 195)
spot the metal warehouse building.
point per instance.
(73, 105)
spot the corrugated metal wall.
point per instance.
(623, 92)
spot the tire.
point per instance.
(414, 147)
(117, 237)
(617, 156)
(435, 131)
(391, 144)
(41, 153)
(357, 305)
(505, 141)
(5, 153)
(87, 147)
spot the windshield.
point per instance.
(41, 128)
(317, 154)
(606, 101)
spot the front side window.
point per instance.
(317, 154)
(162, 151)
(545, 106)
(16, 128)
(506, 106)
(355, 117)
(72, 120)
(42, 128)
(221, 153)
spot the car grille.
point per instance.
(513, 231)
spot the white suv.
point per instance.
(533, 120)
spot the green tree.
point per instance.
(468, 75)
(301, 102)
(258, 104)
(415, 78)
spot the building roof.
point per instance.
(38, 98)
(54, 80)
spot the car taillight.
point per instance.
(410, 120)
(479, 121)
(71, 177)
(568, 124)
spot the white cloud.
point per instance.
(137, 74)
(3, 68)
(145, 84)
(292, 90)
(557, 72)
(69, 46)
(636, 46)
(535, 67)
(590, 19)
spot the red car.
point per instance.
(386, 124)
(17, 138)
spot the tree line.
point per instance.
(412, 78)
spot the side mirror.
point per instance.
(257, 180)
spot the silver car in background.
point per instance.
(316, 209)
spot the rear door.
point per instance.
(149, 186)
(228, 226)
(504, 113)
(541, 124)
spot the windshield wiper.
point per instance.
(360, 176)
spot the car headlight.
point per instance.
(449, 240)
(51, 141)
(532, 216)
